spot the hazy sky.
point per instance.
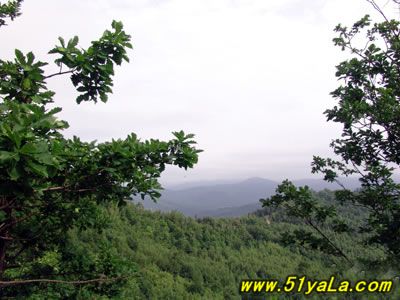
(251, 78)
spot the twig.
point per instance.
(59, 73)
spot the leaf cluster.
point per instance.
(368, 108)
(10, 9)
(50, 184)
(92, 69)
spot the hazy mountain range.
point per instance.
(222, 199)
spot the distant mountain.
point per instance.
(229, 199)
(201, 183)
(207, 200)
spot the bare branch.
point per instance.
(76, 282)
(8, 204)
(59, 73)
(378, 9)
(309, 222)
(66, 189)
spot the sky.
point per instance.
(250, 78)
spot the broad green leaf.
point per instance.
(45, 158)
(31, 58)
(62, 42)
(26, 84)
(14, 174)
(7, 156)
(34, 148)
(73, 42)
(20, 56)
(37, 168)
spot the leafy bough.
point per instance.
(49, 184)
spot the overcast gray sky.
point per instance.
(251, 78)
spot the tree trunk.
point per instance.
(4, 233)
(3, 247)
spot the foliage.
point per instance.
(49, 184)
(369, 110)
(11, 10)
(170, 256)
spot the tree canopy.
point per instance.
(368, 107)
(48, 183)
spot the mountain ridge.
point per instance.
(229, 198)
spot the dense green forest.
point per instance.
(170, 256)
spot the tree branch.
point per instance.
(8, 204)
(59, 73)
(6, 225)
(66, 189)
(378, 9)
(75, 282)
(309, 222)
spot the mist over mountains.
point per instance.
(228, 199)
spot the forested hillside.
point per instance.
(170, 256)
